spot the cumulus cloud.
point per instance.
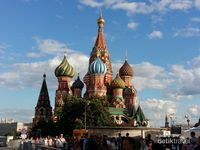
(144, 7)
(157, 109)
(195, 19)
(150, 76)
(3, 47)
(132, 25)
(20, 115)
(92, 3)
(187, 80)
(160, 104)
(48, 46)
(194, 110)
(133, 7)
(34, 55)
(181, 4)
(197, 4)
(24, 75)
(187, 32)
(155, 34)
(51, 46)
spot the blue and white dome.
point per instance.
(97, 67)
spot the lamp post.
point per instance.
(86, 104)
(85, 116)
(171, 116)
(188, 120)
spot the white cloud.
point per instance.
(92, 3)
(150, 76)
(48, 46)
(187, 32)
(3, 47)
(186, 80)
(133, 7)
(159, 104)
(34, 55)
(132, 25)
(181, 4)
(20, 115)
(195, 19)
(24, 75)
(197, 4)
(194, 110)
(157, 109)
(155, 34)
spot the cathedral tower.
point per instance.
(118, 85)
(43, 109)
(100, 50)
(129, 93)
(64, 73)
(77, 87)
(126, 73)
(96, 74)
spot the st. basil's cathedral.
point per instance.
(98, 81)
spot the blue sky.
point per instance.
(161, 38)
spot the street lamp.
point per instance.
(86, 104)
(171, 116)
(188, 120)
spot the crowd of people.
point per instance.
(95, 142)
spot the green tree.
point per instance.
(73, 114)
(43, 129)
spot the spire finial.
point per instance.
(44, 75)
(65, 51)
(100, 21)
(101, 12)
(126, 55)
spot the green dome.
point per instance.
(77, 84)
(64, 69)
(118, 82)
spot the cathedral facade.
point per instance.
(99, 81)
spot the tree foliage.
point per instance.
(74, 110)
(72, 116)
(43, 129)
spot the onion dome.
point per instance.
(118, 82)
(126, 70)
(64, 69)
(97, 67)
(77, 84)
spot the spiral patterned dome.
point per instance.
(97, 67)
(64, 69)
(126, 70)
(118, 82)
(78, 84)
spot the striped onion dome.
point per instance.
(126, 70)
(64, 69)
(77, 84)
(97, 67)
(118, 82)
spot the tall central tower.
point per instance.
(100, 51)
